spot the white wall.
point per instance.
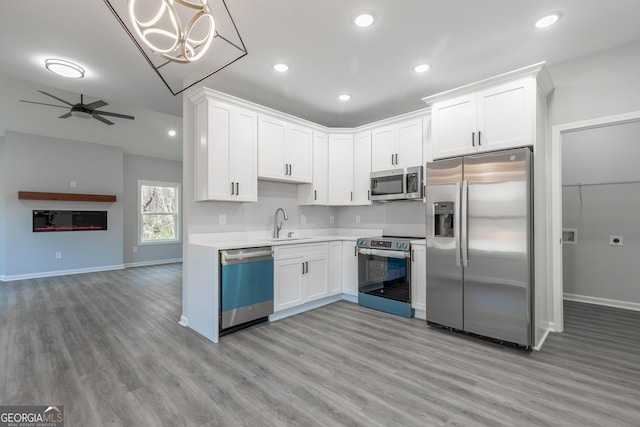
(149, 169)
(593, 268)
(38, 163)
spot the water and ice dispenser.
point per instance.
(444, 219)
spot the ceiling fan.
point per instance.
(82, 110)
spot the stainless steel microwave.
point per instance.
(397, 184)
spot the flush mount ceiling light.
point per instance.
(64, 68)
(547, 21)
(184, 41)
(344, 97)
(421, 68)
(364, 20)
(281, 68)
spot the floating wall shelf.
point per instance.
(66, 197)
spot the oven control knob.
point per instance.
(397, 244)
(404, 245)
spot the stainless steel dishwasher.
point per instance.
(246, 287)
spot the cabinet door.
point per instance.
(505, 115)
(409, 143)
(271, 147)
(340, 169)
(287, 284)
(244, 155)
(320, 168)
(335, 268)
(316, 278)
(383, 148)
(454, 124)
(418, 278)
(349, 268)
(299, 154)
(361, 168)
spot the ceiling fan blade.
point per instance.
(55, 97)
(102, 119)
(64, 116)
(95, 105)
(42, 103)
(107, 113)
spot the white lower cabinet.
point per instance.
(349, 268)
(418, 277)
(335, 268)
(301, 274)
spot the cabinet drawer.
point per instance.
(300, 251)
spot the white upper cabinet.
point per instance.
(284, 150)
(397, 146)
(493, 114)
(341, 169)
(361, 168)
(225, 138)
(317, 193)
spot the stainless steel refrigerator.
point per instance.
(479, 245)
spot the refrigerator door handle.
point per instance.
(456, 224)
(464, 247)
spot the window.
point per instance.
(159, 212)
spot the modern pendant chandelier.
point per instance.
(164, 31)
(184, 41)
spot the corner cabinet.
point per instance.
(341, 169)
(225, 140)
(317, 193)
(397, 146)
(362, 168)
(494, 114)
(285, 151)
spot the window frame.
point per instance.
(178, 214)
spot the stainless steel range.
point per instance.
(384, 274)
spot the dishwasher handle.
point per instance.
(238, 256)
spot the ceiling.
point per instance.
(463, 41)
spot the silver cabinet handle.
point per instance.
(396, 159)
(392, 160)
(237, 188)
(315, 195)
(307, 264)
(352, 196)
(368, 194)
(302, 268)
(286, 169)
(413, 251)
(232, 189)
(473, 139)
(290, 169)
(479, 138)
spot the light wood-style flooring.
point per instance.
(109, 348)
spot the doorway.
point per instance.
(556, 253)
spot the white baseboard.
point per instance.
(184, 321)
(603, 301)
(62, 272)
(148, 263)
(538, 346)
(419, 314)
(350, 298)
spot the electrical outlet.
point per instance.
(135, 249)
(72, 184)
(222, 219)
(357, 219)
(303, 219)
(616, 241)
(332, 219)
(58, 255)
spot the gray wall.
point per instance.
(592, 267)
(396, 218)
(37, 163)
(2, 213)
(146, 169)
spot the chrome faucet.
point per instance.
(276, 228)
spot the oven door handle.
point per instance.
(385, 253)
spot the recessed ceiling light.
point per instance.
(421, 68)
(547, 21)
(281, 68)
(64, 68)
(364, 20)
(344, 97)
(172, 132)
